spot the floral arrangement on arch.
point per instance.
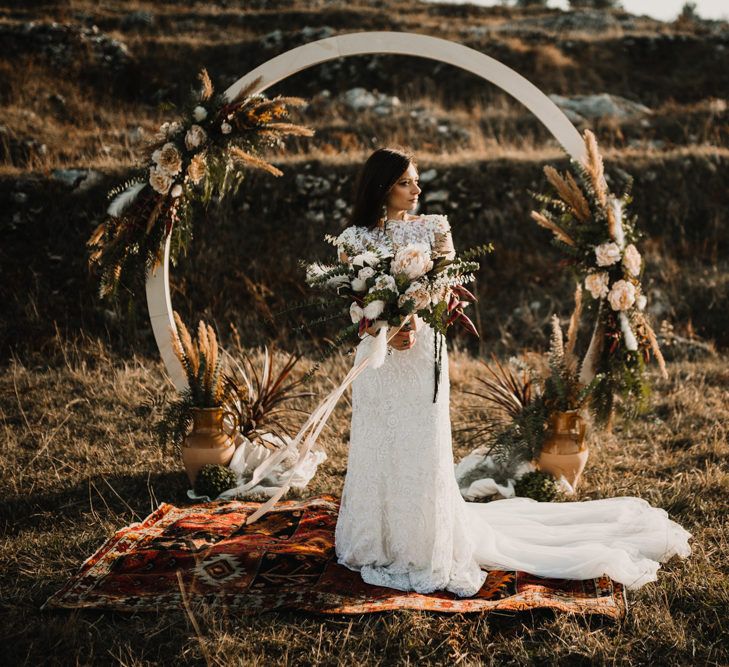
(592, 227)
(196, 158)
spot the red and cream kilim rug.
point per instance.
(285, 560)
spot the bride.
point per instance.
(403, 522)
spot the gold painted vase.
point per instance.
(208, 442)
(565, 450)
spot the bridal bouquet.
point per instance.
(377, 288)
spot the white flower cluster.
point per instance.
(167, 160)
(622, 294)
(626, 292)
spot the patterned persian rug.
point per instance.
(206, 554)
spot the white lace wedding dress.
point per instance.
(403, 522)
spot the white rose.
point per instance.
(160, 180)
(418, 293)
(385, 282)
(412, 261)
(622, 295)
(632, 260)
(365, 258)
(641, 301)
(358, 285)
(607, 254)
(374, 309)
(174, 127)
(355, 312)
(370, 258)
(176, 190)
(597, 284)
(366, 272)
(195, 137)
(337, 281)
(226, 128)
(199, 113)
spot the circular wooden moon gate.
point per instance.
(159, 303)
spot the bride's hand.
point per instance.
(405, 338)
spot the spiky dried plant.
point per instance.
(257, 394)
(571, 360)
(509, 390)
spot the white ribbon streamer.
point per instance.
(315, 423)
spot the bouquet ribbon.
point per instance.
(313, 426)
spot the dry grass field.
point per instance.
(84, 84)
(78, 462)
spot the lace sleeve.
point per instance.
(442, 238)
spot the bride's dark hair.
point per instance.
(379, 173)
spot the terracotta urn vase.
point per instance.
(208, 442)
(565, 451)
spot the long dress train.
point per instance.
(404, 524)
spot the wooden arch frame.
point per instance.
(159, 303)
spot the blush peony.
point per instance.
(412, 261)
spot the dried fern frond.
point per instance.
(556, 342)
(612, 224)
(254, 161)
(569, 351)
(154, 215)
(552, 227)
(206, 91)
(212, 361)
(96, 235)
(203, 346)
(188, 348)
(653, 343)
